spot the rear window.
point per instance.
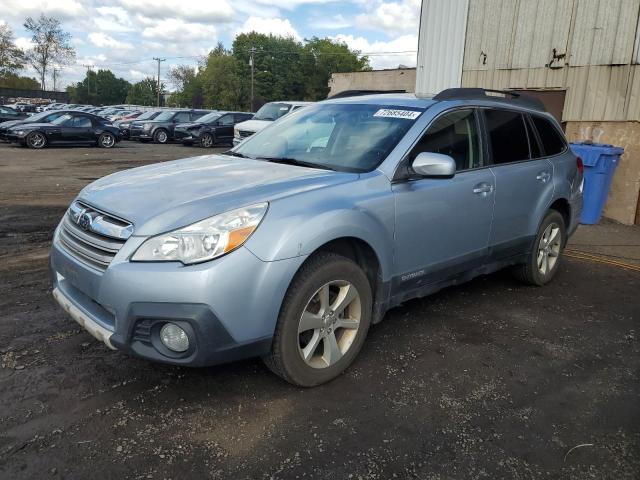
(552, 141)
(508, 136)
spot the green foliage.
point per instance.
(11, 57)
(99, 88)
(188, 85)
(284, 69)
(11, 80)
(144, 92)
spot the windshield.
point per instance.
(165, 116)
(148, 115)
(345, 137)
(209, 117)
(272, 111)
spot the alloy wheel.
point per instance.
(329, 324)
(207, 140)
(37, 140)
(107, 141)
(161, 137)
(549, 248)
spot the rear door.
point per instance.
(524, 181)
(443, 224)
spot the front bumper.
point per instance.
(229, 306)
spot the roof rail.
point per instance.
(487, 94)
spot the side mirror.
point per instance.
(434, 165)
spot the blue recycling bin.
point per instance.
(600, 162)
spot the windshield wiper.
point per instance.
(293, 161)
(236, 154)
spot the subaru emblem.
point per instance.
(85, 221)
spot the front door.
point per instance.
(77, 130)
(224, 130)
(443, 225)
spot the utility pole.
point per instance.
(159, 60)
(55, 75)
(251, 62)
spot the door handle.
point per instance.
(483, 189)
(544, 177)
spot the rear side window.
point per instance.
(82, 122)
(508, 136)
(552, 141)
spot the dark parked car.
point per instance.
(44, 117)
(72, 128)
(125, 124)
(215, 128)
(8, 113)
(161, 129)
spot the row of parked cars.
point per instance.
(106, 126)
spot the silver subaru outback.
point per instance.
(292, 244)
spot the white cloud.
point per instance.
(113, 19)
(103, 40)
(61, 9)
(291, 4)
(381, 51)
(178, 31)
(24, 43)
(274, 26)
(334, 22)
(391, 17)
(218, 11)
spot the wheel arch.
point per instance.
(563, 207)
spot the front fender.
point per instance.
(300, 224)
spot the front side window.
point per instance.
(66, 119)
(345, 137)
(226, 120)
(454, 134)
(507, 135)
(552, 141)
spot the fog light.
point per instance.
(174, 338)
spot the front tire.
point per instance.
(207, 140)
(323, 322)
(546, 252)
(161, 136)
(36, 140)
(106, 140)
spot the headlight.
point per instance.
(236, 133)
(20, 132)
(204, 240)
(147, 126)
(124, 125)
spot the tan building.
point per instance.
(393, 79)
(580, 56)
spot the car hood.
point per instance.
(162, 197)
(253, 125)
(33, 126)
(10, 123)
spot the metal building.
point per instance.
(581, 57)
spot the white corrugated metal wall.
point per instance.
(510, 45)
(441, 45)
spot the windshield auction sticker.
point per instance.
(389, 113)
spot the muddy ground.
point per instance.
(487, 380)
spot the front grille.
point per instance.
(245, 133)
(93, 237)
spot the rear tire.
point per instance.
(323, 321)
(546, 252)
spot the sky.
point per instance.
(125, 35)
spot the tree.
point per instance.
(322, 57)
(99, 88)
(11, 57)
(188, 87)
(144, 92)
(223, 86)
(11, 80)
(50, 45)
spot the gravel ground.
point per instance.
(486, 380)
